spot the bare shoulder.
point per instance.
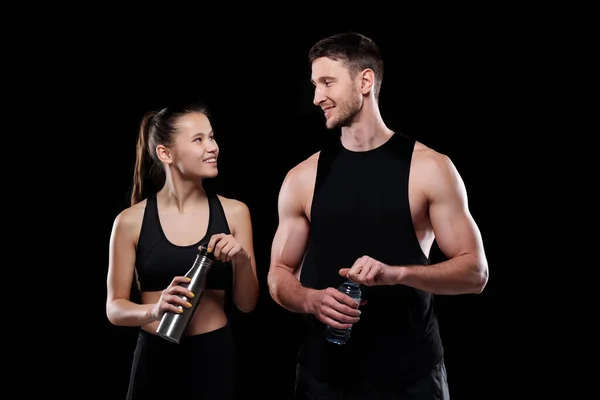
(434, 172)
(302, 176)
(430, 163)
(234, 209)
(129, 221)
(295, 195)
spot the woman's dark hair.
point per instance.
(156, 128)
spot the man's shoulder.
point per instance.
(431, 164)
(300, 179)
(427, 155)
(308, 166)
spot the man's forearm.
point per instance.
(288, 292)
(463, 274)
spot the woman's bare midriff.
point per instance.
(209, 315)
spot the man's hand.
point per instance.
(334, 308)
(369, 272)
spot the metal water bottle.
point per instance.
(341, 336)
(173, 325)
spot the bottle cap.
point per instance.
(203, 248)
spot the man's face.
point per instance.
(335, 92)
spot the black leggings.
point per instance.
(433, 386)
(200, 367)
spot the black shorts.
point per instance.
(200, 367)
(433, 386)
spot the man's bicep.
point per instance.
(289, 243)
(455, 230)
(291, 237)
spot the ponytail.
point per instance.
(141, 159)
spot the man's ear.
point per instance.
(163, 154)
(367, 80)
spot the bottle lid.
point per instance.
(203, 248)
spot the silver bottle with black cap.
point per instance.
(173, 325)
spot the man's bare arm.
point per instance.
(457, 235)
(289, 245)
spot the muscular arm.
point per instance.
(119, 309)
(245, 290)
(289, 245)
(457, 235)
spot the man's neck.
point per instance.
(362, 137)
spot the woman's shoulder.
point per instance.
(233, 206)
(236, 212)
(129, 220)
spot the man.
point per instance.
(368, 207)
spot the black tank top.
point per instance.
(360, 207)
(158, 260)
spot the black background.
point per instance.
(445, 85)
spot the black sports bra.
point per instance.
(158, 260)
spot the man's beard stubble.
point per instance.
(347, 113)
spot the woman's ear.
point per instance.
(163, 154)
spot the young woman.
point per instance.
(156, 240)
